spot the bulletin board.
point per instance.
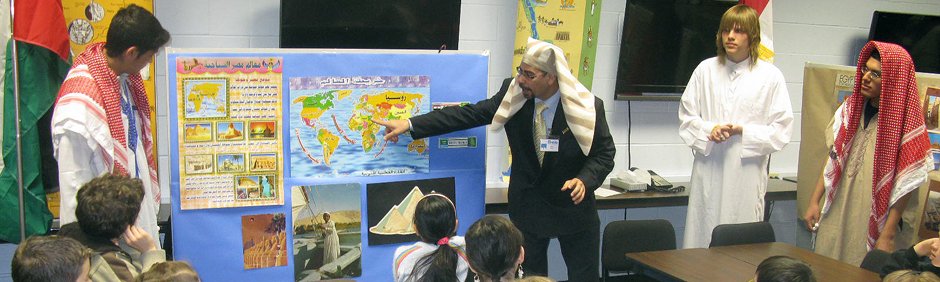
(260, 136)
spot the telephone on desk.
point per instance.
(638, 180)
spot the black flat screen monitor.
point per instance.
(662, 43)
(919, 34)
(370, 24)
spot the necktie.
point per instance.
(538, 128)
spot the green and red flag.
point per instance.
(41, 39)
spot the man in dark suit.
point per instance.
(561, 154)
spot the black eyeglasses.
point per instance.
(527, 74)
(874, 74)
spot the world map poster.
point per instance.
(229, 131)
(331, 128)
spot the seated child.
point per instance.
(106, 211)
(784, 269)
(494, 249)
(439, 256)
(170, 271)
(920, 257)
(50, 258)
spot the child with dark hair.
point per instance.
(494, 249)
(106, 211)
(784, 269)
(50, 259)
(439, 256)
(170, 271)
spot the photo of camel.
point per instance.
(264, 240)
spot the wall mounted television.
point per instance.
(919, 34)
(370, 24)
(662, 43)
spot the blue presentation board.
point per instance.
(210, 237)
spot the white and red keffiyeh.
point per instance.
(105, 105)
(901, 145)
(577, 101)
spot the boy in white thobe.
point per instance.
(734, 113)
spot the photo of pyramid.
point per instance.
(398, 219)
(390, 207)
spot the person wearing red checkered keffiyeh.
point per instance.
(878, 156)
(101, 122)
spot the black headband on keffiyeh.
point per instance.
(901, 145)
(578, 102)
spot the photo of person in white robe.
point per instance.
(734, 113)
(330, 240)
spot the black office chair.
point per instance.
(742, 233)
(631, 236)
(874, 260)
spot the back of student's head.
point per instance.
(908, 275)
(435, 221)
(108, 204)
(49, 258)
(135, 26)
(493, 247)
(784, 269)
(170, 271)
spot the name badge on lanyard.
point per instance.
(548, 144)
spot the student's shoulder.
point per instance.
(710, 62)
(458, 240)
(769, 68)
(405, 250)
(707, 65)
(114, 264)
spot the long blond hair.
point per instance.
(744, 17)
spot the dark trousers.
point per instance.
(581, 252)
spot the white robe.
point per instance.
(82, 157)
(330, 242)
(729, 179)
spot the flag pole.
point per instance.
(19, 145)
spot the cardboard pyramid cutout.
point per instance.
(397, 221)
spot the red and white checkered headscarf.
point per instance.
(901, 145)
(108, 98)
(577, 101)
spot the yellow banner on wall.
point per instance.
(569, 24)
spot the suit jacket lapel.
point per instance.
(528, 112)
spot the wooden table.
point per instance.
(738, 263)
